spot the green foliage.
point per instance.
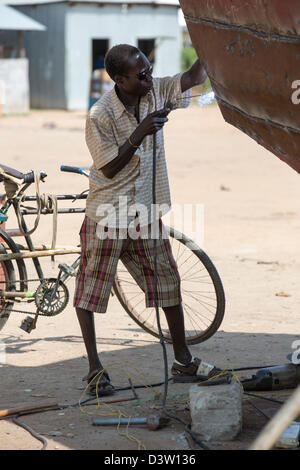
(188, 57)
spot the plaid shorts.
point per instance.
(98, 265)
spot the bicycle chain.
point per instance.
(24, 312)
(38, 312)
(24, 280)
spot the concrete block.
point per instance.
(216, 411)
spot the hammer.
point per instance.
(154, 422)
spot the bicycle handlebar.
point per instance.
(27, 178)
(71, 169)
(74, 169)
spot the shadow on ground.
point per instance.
(142, 361)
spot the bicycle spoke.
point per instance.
(141, 313)
(127, 282)
(192, 321)
(192, 276)
(201, 315)
(180, 248)
(189, 316)
(202, 292)
(191, 267)
(202, 319)
(201, 302)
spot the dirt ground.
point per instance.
(251, 232)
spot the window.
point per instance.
(147, 46)
(100, 47)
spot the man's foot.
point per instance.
(199, 371)
(99, 384)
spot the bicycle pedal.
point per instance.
(67, 269)
(28, 324)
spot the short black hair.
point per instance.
(116, 59)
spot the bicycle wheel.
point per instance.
(7, 283)
(203, 298)
(19, 263)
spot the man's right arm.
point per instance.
(126, 152)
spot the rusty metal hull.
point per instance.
(251, 51)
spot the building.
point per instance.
(186, 39)
(79, 32)
(14, 79)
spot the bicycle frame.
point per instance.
(13, 202)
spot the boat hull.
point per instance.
(251, 52)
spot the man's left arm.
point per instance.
(194, 76)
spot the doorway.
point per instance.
(100, 48)
(147, 46)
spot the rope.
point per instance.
(112, 411)
(19, 198)
(49, 201)
(44, 201)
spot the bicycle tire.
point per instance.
(23, 285)
(146, 320)
(7, 282)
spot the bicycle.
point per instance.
(202, 291)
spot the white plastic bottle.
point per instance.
(206, 98)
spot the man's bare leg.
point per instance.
(175, 319)
(87, 325)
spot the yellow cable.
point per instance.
(141, 379)
(114, 412)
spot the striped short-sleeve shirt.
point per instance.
(116, 201)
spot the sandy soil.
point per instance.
(252, 231)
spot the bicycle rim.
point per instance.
(203, 298)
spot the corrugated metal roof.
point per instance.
(145, 2)
(13, 19)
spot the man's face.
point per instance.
(138, 78)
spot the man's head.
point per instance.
(130, 69)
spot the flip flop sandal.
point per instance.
(99, 387)
(198, 371)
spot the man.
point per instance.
(119, 135)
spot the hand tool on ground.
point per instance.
(27, 409)
(153, 422)
(274, 378)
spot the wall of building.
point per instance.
(46, 53)
(60, 58)
(14, 86)
(118, 24)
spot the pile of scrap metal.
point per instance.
(251, 51)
